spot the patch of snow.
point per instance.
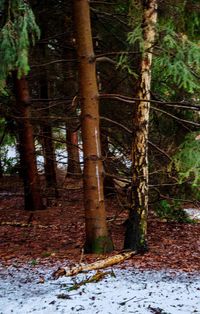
(131, 291)
(193, 213)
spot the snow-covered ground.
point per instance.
(130, 291)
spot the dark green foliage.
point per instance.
(186, 161)
(176, 52)
(178, 57)
(192, 18)
(16, 35)
(171, 211)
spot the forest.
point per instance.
(100, 135)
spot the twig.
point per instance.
(82, 254)
(117, 124)
(176, 118)
(124, 302)
(52, 62)
(160, 150)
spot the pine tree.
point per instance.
(97, 238)
(18, 31)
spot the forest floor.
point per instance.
(38, 242)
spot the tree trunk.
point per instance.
(97, 238)
(1, 167)
(32, 196)
(136, 233)
(47, 142)
(1, 142)
(73, 168)
(108, 183)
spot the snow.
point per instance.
(130, 291)
(193, 213)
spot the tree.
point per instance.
(97, 238)
(32, 196)
(136, 233)
(18, 31)
(47, 142)
(19, 26)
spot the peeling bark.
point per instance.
(97, 238)
(136, 233)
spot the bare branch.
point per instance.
(117, 124)
(160, 150)
(106, 59)
(130, 132)
(175, 117)
(52, 62)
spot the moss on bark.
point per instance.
(102, 244)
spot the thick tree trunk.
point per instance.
(73, 168)
(97, 238)
(47, 142)
(136, 233)
(32, 196)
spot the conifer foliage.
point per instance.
(18, 31)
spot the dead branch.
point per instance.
(94, 278)
(106, 59)
(160, 150)
(132, 100)
(110, 261)
(175, 117)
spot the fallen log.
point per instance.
(109, 261)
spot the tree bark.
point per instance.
(1, 142)
(108, 183)
(1, 167)
(97, 238)
(73, 168)
(136, 233)
(32, 196)
(47, 142)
